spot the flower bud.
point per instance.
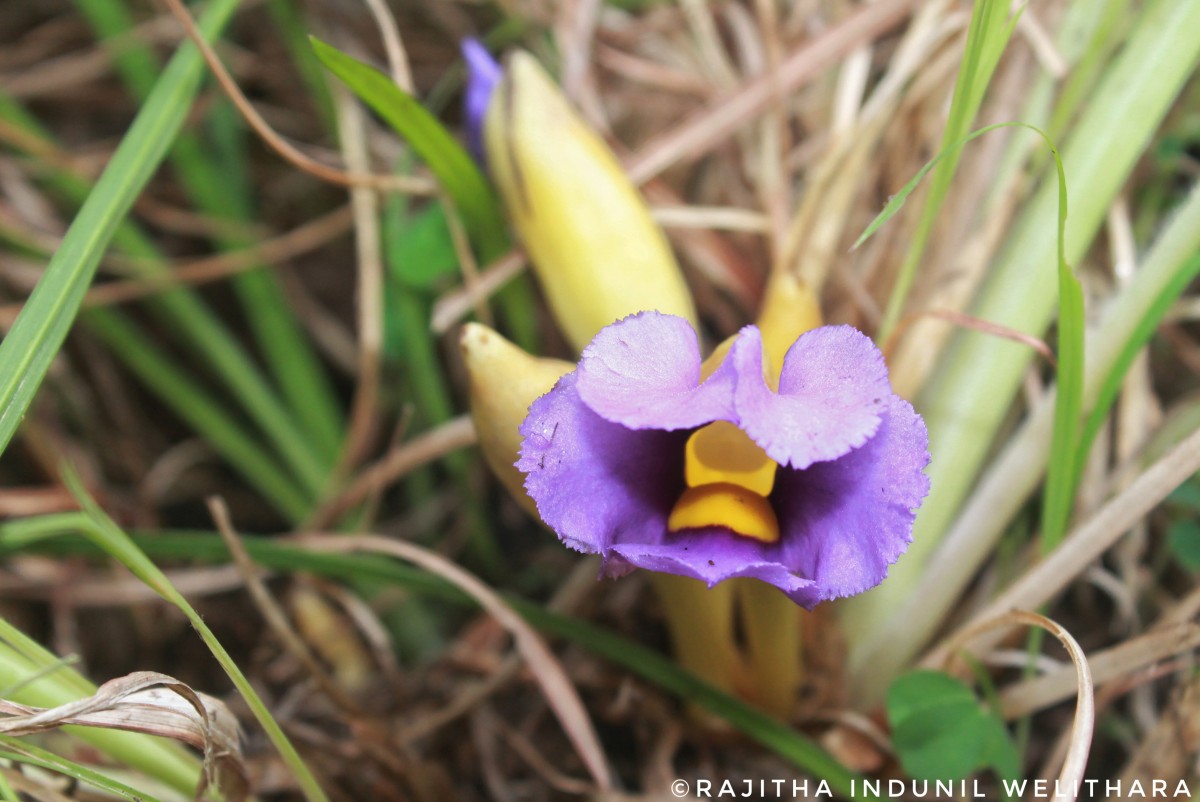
(789, 308)
(503, 382)
(596, 251)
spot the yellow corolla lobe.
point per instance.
(721, 452)
(728, 480)
(743, 511)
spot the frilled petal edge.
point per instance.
(595, 481)
(711, 556)
(845, 521)
(644, 372)
(832, 392)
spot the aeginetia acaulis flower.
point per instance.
(597, 253)
(785, 456)
(639, 457)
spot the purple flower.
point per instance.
(604, 457)
(483, 73)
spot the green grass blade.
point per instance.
(987, 37)
(114, 542)
(904, 627)
(950, 151)
(215, 184)
(971, 391)
(468, 189)
(268, 312)
(21, 751)
(7, 794)
(41, 327)
(199, 410)
(1138, 338)
(1060, 486)
(1083, 27)
(1068, 403)
(194, 324)
(409, 313)
(651, 666)
(181, 311)
(456, 171)
(32, 675)
(289, 19)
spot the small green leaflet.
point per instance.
(942, 732)
(421, 249)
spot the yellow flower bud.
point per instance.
(503, 382)
(596, 251)
(789, 308)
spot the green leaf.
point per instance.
(420, 249)
(456, 171)
(999, 750)
(941, 732)
(1183, 538)
(1187, 495)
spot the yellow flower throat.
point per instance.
(728, 480)
(728, 476)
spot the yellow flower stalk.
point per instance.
(588, 232)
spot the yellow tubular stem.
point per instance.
(700, 622)
(772, 624)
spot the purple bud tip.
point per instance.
(483, 73)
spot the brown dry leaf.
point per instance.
(156, 704)
(1115, 665)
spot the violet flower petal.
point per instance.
(644, 372)
(844, 522)
(483, 73)
(712, 556)
(595, 481)
(832, 391)
(605, 474)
